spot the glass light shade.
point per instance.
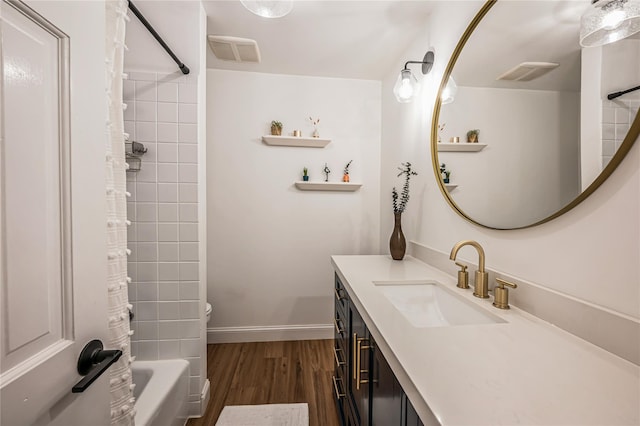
(609, 22)
(406, 87)
(449, 92)
(269, 9)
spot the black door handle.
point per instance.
(94, 361)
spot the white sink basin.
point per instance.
(429, 304)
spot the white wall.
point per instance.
(531, 166)
(590, 253)
(269, 244)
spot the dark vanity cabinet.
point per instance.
(386, 393)
(367, 392)
(341, 353)
(359, 366)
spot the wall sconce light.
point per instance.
(608, 21)
(449, 92)
(406, 85)
(268, 9)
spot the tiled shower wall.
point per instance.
(617, 116)
(163, 208)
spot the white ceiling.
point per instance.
(524, 31)
(347, 39)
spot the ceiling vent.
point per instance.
(234, 48)
(528, 71)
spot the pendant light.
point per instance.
(406, 86)
(608, 21)
(269, 9)
(449, 92)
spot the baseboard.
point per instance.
(269, 333)
(204, 396)
(612, 331)
(198, 408)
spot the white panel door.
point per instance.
(52, 217)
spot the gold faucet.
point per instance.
(481, 286)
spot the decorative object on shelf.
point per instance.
(473, 136)
(326, 172)
(440, 130)
(445, 173)
(406, 86)
(397, 243)
(345, 176)
(276, 128)
(315, 123)
(305, 174)
(454, 139)
(297, 133)
(608, 21)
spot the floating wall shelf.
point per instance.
(461, 147)
(295, 141)
(328, 186)
(450, 186)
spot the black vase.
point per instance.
(397, 243)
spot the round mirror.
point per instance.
(522, 129)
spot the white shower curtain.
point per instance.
(121, 386)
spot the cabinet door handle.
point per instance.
(337, 293)
(335, 387)
(354, 353)
(359, 370)
(335, 324)
(335, 354)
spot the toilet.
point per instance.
(208, 312)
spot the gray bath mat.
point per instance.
(265, 415)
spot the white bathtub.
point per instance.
(161, 392)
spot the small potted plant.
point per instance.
(276, 128)
(473, 136)
(445, 173)
(345, 176)
(314, 123)
(305, 174)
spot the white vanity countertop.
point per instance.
(521, 372)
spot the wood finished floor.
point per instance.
(271, 373)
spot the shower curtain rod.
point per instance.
(182, 66)
(612, 96)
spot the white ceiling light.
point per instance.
(406, 86)
(608, 21)
(269, 9)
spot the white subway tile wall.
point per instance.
(617, 117)
(163, 237)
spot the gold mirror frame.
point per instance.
(628, 142)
